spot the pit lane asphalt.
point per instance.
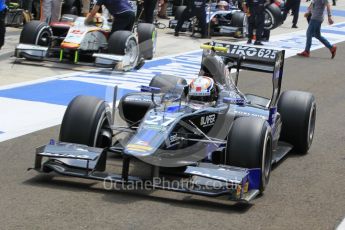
(305, 192)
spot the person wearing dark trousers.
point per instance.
(3, 9)
(35, 10)
(292, 5)
(27, 5)
(195, 8)
(121, 10)
(255, 10)
(266, 35)
(149, 8)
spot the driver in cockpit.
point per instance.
(203, 91)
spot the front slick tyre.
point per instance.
(249, 145)
(87, 121)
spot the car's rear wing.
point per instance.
(253, 58)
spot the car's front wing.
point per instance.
(205, 179)
(42, 53)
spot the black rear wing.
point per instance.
(252, 58)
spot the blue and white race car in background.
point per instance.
(228, 21)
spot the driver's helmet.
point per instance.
(203, 89)
(223, 5)
(98, 20)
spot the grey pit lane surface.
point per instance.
(305, 192)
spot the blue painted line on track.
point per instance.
(59, 92)
(157, 63)
(341, 25)
(105, 77)
(332, 31)
(1, 132)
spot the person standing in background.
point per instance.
(316, 9)
(195, 8)
(51, 10)
(163, 11)
(86, 7)
(3, 9)
(292, 5)
(255, 10)
(121, 10)
(149, 8)
(27, 5)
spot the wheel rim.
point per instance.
(43, 38)
(102, 125)
(245, 26)
(132, 51)
(154, 41)
(268, 20)
(311, 124)
(266, 161)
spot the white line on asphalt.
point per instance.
(25, 115)
(341, 226)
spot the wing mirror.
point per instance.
(234, 100)
(150, 89)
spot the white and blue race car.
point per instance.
(71, 41)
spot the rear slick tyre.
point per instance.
(298, 113)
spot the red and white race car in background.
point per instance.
(70, 40)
